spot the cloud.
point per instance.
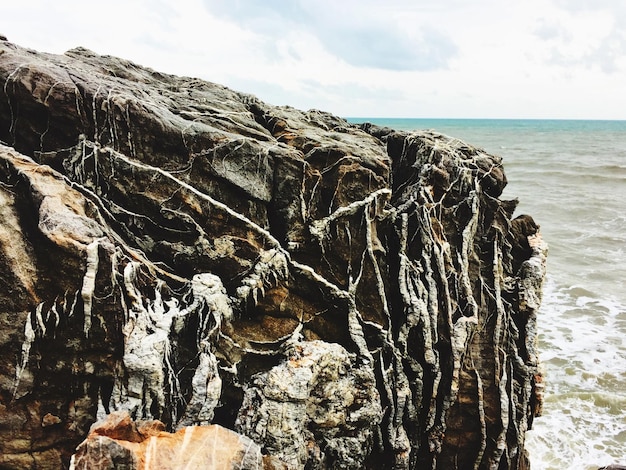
(450, 58)
(356, 33)
(386, 48)
(590, 5)
(547, 30)
(610, 55)
(588, 35)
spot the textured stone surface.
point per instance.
(318, 407)
(346, 297)
(119, 443)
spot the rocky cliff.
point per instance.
(336, 296)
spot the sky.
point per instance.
(541, 59)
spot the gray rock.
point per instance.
(317, 409)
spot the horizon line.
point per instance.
(485, 118)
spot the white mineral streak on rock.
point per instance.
(461, 332)
(209, 296)
(186, 186)
(505, 411)
(187, 438)
(39, 317)
(320, 228)
(54, 312)
(469, 233)
(207, 389)
(146, 344)
(89, 283)
(29, 337)
(209, 290)
(151, 451)
(147, 348)
(271, 267)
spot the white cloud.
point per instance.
(452, 58)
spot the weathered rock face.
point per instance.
(344, 297)
(119, 443)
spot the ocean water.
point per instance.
(570, 176)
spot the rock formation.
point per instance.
(340, 296)
(118, 442)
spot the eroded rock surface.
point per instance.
(118, 442)
(345, 297)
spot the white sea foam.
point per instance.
(583, 348)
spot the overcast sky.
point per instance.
(363, 58)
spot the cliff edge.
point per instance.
(336, 296)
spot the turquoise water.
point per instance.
(571, 177)
(492, 126)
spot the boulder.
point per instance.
(344, 296)
(120, 443)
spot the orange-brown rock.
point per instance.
(118, 442)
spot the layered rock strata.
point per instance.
(340, 296)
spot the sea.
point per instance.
(570, 176)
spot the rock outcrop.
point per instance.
(339, 296)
